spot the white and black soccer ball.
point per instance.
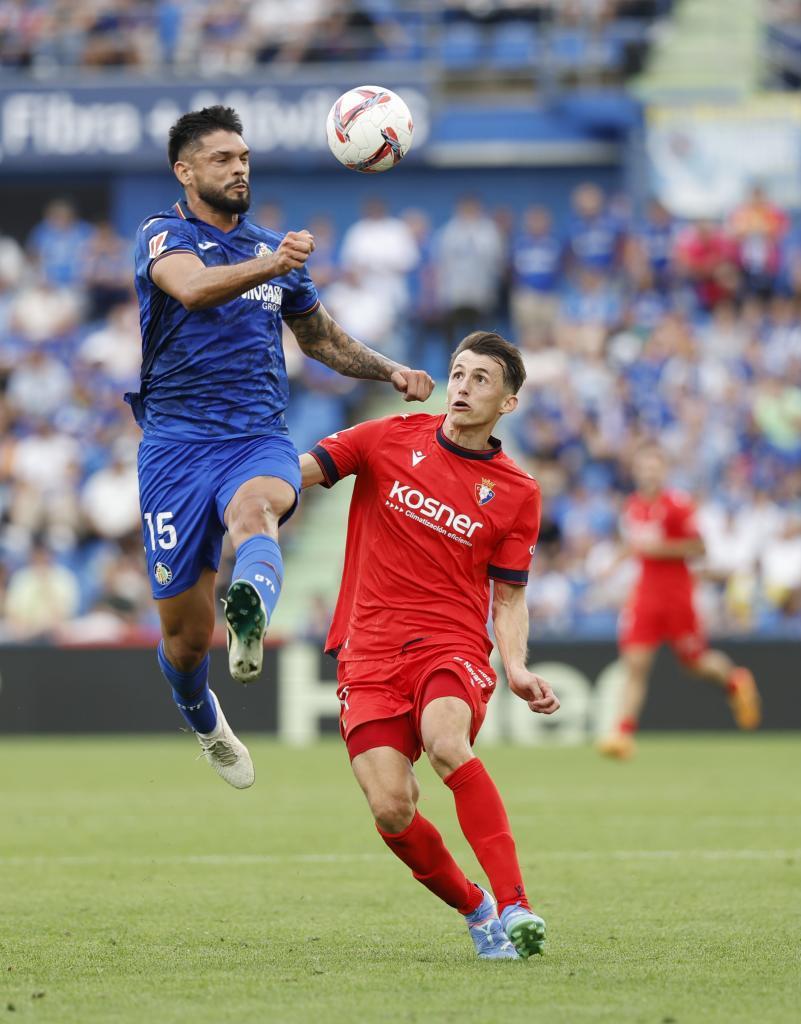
(369, 129)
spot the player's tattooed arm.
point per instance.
(511, 625)
(321, 338)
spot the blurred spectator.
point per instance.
(58, 243)
(41, 596)
(382, 249)
(656, 235)
(38, 384)
(594, 237)
(777, 413)
(115, 348)
(536, 272)
(106, 270)
(706, 258)
(110, 500)
(758, 228)
(41, 313)
(781, 568)
(469, 262)
(362, 309)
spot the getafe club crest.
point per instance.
(262, 249)
(163, 574)
(484, 491)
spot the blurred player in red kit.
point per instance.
(438, 511)
(660, 530)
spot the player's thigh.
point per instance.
(450, 705)
(688, 640)
(261, 487)
(639, 658)
(187, 620)
(181, 532)
(641, 627)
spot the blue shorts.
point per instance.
(184, 490)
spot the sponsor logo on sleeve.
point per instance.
(156, 244)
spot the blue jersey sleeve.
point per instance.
(159, 237)
(300, 298)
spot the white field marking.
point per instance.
(255, 859)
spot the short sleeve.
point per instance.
(684, 519)
(301, 298)
(347, 451)
(511, 558)
(160, 237)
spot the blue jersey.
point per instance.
(219, 372)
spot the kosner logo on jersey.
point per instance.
(430, 511)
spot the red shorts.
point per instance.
(390, 695)
(652, 625)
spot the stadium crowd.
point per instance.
(631, 326)
(198, 36)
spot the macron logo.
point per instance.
(417, 457)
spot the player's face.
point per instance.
(218, 170)
(477, 395)
(649, 472)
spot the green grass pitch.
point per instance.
(135, 886)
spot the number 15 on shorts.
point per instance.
(162, 532)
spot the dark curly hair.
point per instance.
(190, 128)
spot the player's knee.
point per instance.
(447, 753)
(393, 812)
(186, 650)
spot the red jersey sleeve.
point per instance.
(346, 451)
(684, 524)
(512, 556)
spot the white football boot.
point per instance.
(227, 755)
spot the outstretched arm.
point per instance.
(510, 620)
(321, 338)
(196, 286)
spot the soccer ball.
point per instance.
(369, 129)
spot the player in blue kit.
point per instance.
(213, 290)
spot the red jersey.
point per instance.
(430, 524)
(668, 516)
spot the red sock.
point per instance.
(486, 827)
(421, 848)
(628, 726)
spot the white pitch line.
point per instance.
(255, 859)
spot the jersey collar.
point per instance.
(468, 453)
(185, 213)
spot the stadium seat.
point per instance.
(461, 46)
(513, 45)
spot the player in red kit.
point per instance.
(438, 511)
(660, 530)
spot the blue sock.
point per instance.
(258, 560)
(190, 691)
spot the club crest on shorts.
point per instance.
(484, 491)
(163, 574)
(262, 249)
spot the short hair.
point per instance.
(191, 127)
(489, 343)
